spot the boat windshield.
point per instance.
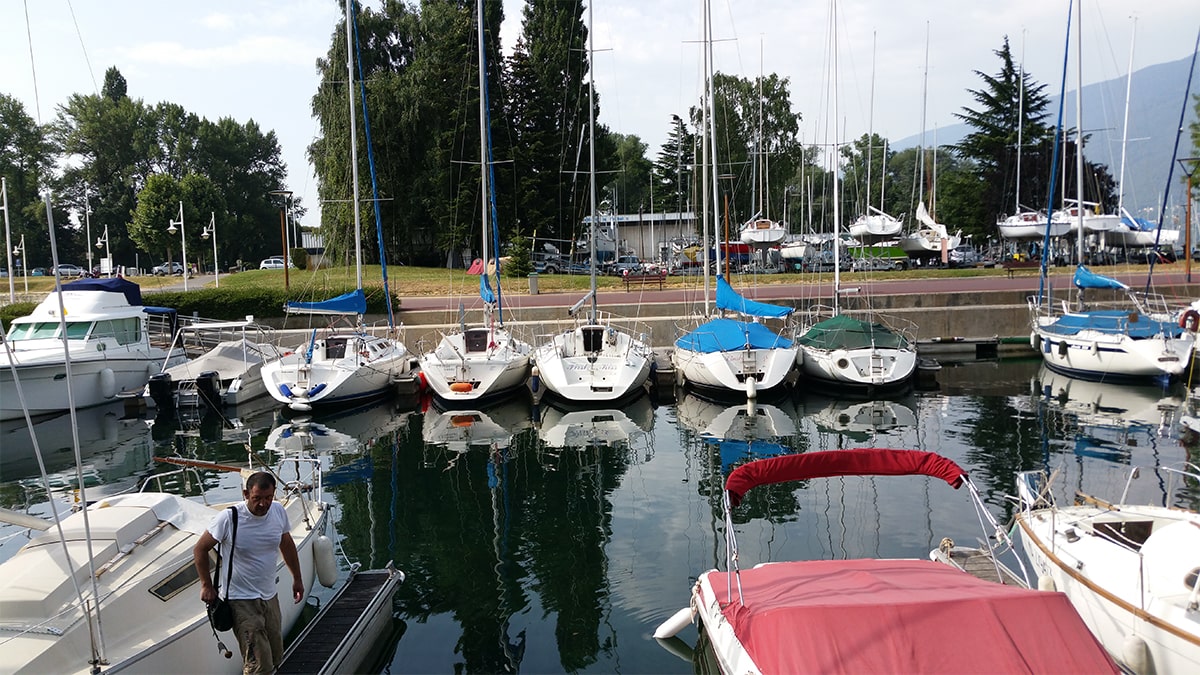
(41, 330)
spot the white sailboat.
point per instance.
(1130, 338)
(597, 360)
(107, 334)
(345, 364)
(845, 354)
(487, 360)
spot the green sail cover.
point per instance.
(846, 332)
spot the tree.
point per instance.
(26, 158)
(674, 164)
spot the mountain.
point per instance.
(1157, 94)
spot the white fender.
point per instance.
(1135, 654)
(671, 627)
(108, 383)
(751, 388)
(1045, 583)
(324, 562)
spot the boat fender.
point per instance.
(324, 562)
(1190, 320)
(535, 379)
(108, 383)
(286, 391)
(1035, 341)
(1045, 583)
(1095, 347)
(1062, 348)
(315, 390)
(422, 381)
(461, 387)
(751, 388)
(678, 621)
(1136, 655)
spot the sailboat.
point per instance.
(727, 355)
(595, 361)
(347, 363)
(487, 360)
(1130, 338)
(846, 354)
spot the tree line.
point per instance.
(132, 163)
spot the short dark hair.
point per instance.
(260, 479)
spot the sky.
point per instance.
(255, 59)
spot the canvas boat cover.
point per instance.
(855, 462)
(131, 291)
(846, 332)
(354, 302)
(1115, 321)
(729, 299)
(898, 616)
(727, 335)
(1138, 224)
(1085, 279)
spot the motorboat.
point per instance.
(1129, 569)
(113, 345)
(875, 615)
(113, 587)
(222, 366)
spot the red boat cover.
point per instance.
(856, 462)
(902, 616)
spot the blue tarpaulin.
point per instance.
(724, 335)
(727, 298)
(1085, 278)
(354, 302)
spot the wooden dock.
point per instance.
(979, 563)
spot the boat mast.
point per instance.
(592, 154)
(871, 124)
(483, 153)
(353, 144)
(1125, 129)
(837, 212)
(1079, 130)
(1020, 120)
(710, 138)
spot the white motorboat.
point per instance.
(875, 615)
(111, 341)
(473, 363)
(1129, 569)
(127, 597)
(222, 365)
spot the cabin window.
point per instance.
(476, 340)
(35, 331)
(77, 330)
(1131, 533)
(178, 580)
(124, 331)
(593, 338)
(335, 349)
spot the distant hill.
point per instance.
(1153, 115)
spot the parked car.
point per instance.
(624, 264)
(548, 263)
(273, 263)
(68, 270)
(964, 256)
(166, 268)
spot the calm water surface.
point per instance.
(542, 540)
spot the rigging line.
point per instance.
(37, 104)
(83, 47)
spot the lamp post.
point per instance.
(183, 243)
(287, 259)
(19, 250)
(102, 242)
(8, 247)
(87, 220)
(211, 230)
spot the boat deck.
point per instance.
(324, 636)
(980, 564)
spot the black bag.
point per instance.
(220, 614)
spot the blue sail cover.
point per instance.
(727, 335)
(1138, 224)
(354, 302)
(485, 289)
(1085, 278)
(727, 298)
(131, 291)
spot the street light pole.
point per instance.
(103, 242)
(12, 293)
(287, 258)
(183, 242)
(19, 250)
(211, 230)
(1187, 233)
(87, 219)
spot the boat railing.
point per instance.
(184, 481)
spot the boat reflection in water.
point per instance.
(521, 555)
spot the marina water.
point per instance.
(544, 540)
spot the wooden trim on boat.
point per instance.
(1070, 570)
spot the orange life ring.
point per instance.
(1190, 320)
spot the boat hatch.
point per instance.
(1130, 533)
(593, 338)
(335, 348)
(178, 580)
(477, 340)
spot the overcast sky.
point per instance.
(256, 58)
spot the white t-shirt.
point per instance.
(255, 554)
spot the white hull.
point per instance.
(1093, 354)
(142, 632)
(1031, 226)
(1134, 598)
(481, 362)
(98, 377)
(731, 371)
(926, 241)
(875, 228)
(238, 366)
(593, 363)
(868, 367)
(1128, 237)
(762, 232)
(604, 427)
(344, 367)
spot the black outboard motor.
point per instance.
(162, 391)
(208, 386)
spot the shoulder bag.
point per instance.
(220, 614)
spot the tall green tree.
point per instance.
(26, 160)
(673, 169)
